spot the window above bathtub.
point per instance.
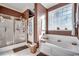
(61, 18)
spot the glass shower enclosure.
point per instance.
(11, 31)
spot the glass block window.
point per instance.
(61, 18)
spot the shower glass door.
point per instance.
(9, 31)
(6, 32)
(19, 32)
(2, 33)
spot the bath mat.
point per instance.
(42, 54)
(20, 48)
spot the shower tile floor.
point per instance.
(25, 52)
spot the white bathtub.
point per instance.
(63, 48)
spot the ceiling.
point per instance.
(48, 5)
(21, 7)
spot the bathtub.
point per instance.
(59, 45)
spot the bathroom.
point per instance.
(33, 27)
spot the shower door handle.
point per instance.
(5, 29)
